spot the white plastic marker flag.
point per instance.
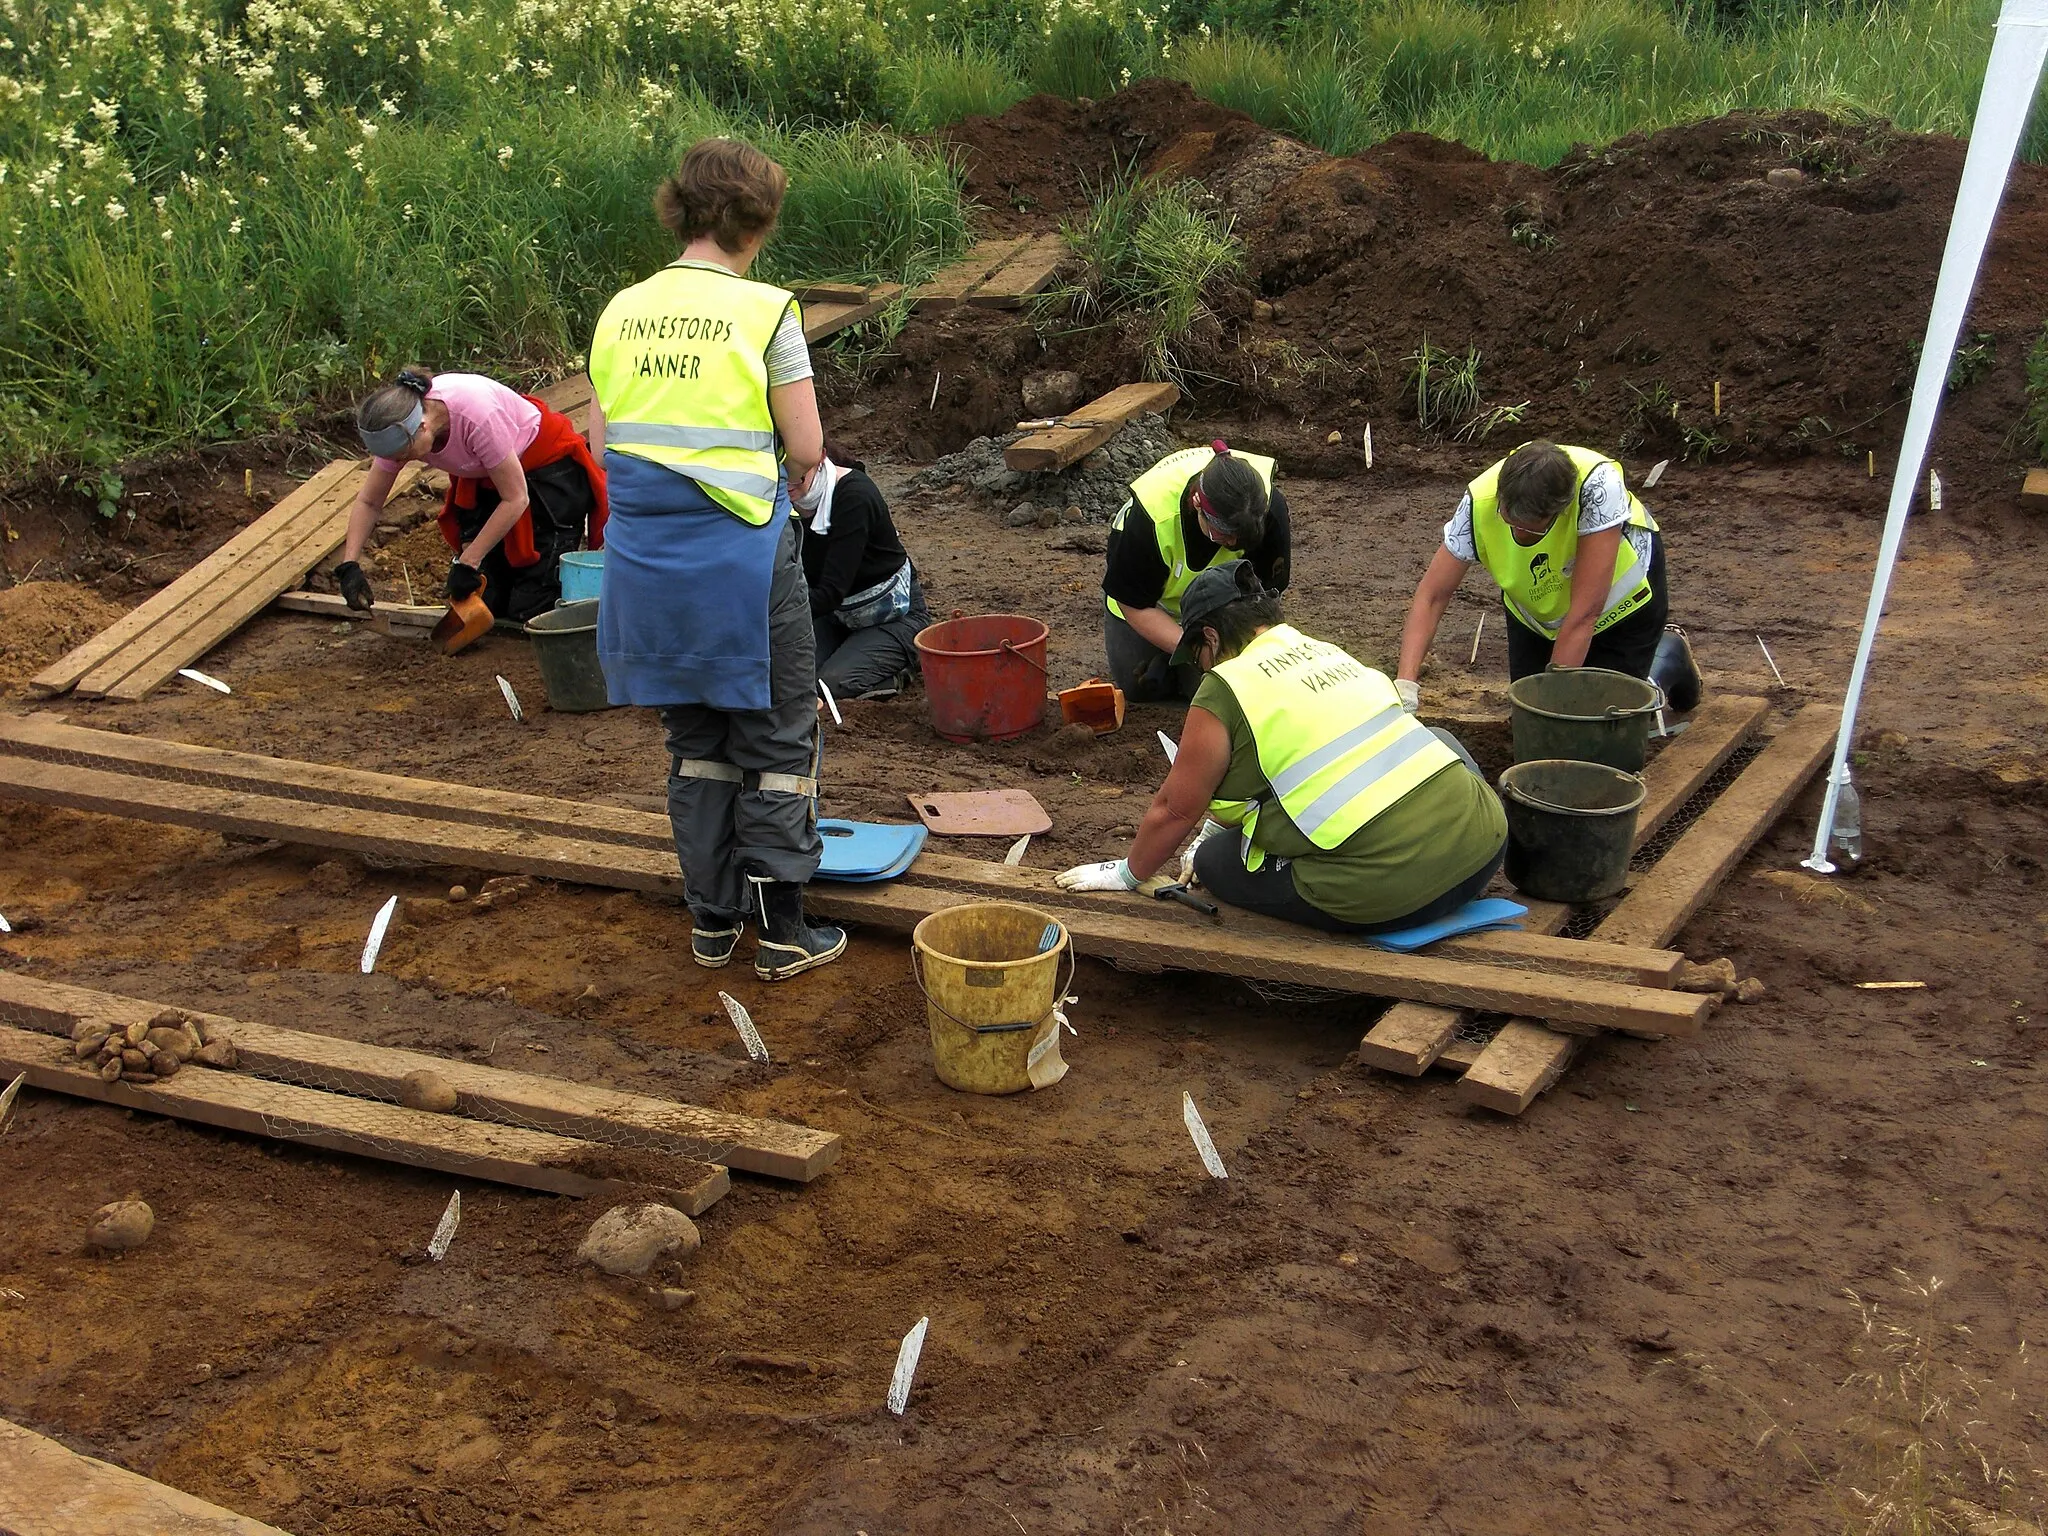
(1656, 473)
(2010, 80)
(375, 943)
(1200, 1132)
(906, 1367)
(830, 702)
(750, 1037)
(1167, 745)
(1933, 491)
(1016, 854)
(194, 675)
(511, 701)
(444, 1234)
(3, 926)
(1368, 445)
(8, 1096)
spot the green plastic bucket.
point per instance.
(565, 648)
(1571, 827)
(1584, 714)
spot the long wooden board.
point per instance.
(232, 1101)
(1306, 959)
(825, 320)
(1028, 273)
(328, 605)
(1516, 1065)
(1409, 1037)
(771, 1147)
(47, 1490)
(51, 741)
(1088, 428)
(952, 286)
(2034, 491)
(1664, 900)
(64, 673)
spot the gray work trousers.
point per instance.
(1140, 668)
(870, 663)
(728, 826)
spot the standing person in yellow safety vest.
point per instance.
(1192, 511)
(706, 415)
(1349, 814)
(1580, 566)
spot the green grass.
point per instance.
(928, 87)
(2035, 424)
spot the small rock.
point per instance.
(86, 1027)
(1053, 393)
(169, 1018)
(172, 1041)
(335, 878)
(1750, 990)
(1715, 976)
(859, 412)
(627, 1239)
(674, 1300)
(133, 1060)
(504, 890)
(1048, 517)
(121, 1225)
(458, 893)
(1279, 310)
(136, 1033)
(1334, 438)
(110, 1071)
(1022, 515)
(1073, 515)
(1261, 310)
(426, 1090)
(1785, 176)
(166, 1064)
(89, 1045)
(218, 1053)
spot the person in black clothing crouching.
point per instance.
(866, 604)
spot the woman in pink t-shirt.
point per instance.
(522, 489)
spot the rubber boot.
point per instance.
(712, 941)
(1674, 670)
(789, 944)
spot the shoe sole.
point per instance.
(712, 965)
(797, 968)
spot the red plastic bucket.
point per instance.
(985, 676)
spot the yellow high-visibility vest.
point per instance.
(1156, 493)
(1536, 579)
(679, 364)
(1334, 742)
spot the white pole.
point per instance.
(2010, 80)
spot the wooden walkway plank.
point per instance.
(2034, 491)
(1308, 958)
(1665, 899)
(1675, 775)
(952, 285)
(64, 673)
(1086, 429)
(1025, 275)
(774, 1148)
(502, 1154)
(1409, 1038)
(823, 320)
(1517, 1064)
(47, 1490)
(330, 605)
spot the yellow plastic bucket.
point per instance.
(991, 977)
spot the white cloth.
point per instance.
(1603, 503)
(817, 499)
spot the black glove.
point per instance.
(355, 586)
(464, 580)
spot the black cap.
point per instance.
(1208, 595)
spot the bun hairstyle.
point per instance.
(723, 188)
(389, 405)
(1238, 623)
(1236, 496)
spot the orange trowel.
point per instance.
(465, 620)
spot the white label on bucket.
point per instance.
(444, 1234)
(1200, 1132)
(906, 1367)
(374, 945)
(750, 1037)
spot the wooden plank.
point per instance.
(1024, 275)
(1665, 899)
(47, 1490)
(64, 673)
(953, 285)
(1675, 775)
(1516, 1065)
(1088, 428)
(502, 1154)
(833, 293)
(329, 605)
(2034, 493)
(1307, 959)
(1409, 1037)
(823, 320)
(52, 741)
(774, 1148)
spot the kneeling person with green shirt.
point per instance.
(1326, 802)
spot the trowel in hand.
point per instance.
(465, 620)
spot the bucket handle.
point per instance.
(1654, 707)
(917, 972)
(1010, 648)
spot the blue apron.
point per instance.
(683, 612)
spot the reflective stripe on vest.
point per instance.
(1334, 743)
(679, 365)
(1158, 494)
(1535, 579)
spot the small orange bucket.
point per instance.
(1097, 704)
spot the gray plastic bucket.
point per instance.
(1570, 828)
(1584, 714)
(565, 648)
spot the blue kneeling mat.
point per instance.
(868, 850)
(1473, 917)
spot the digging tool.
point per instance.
(1184, 894)
(466, 619)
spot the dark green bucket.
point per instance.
(1584, 714)
(565, 649)
(1570, 828)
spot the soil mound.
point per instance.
(41, 620)
(1787, 257)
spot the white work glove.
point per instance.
(1210, 828)
(1411, 694)
(1110, 875)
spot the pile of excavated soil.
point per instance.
(1090, 491)
(1789, 258)
(41, 620)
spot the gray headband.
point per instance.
(389, 442)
